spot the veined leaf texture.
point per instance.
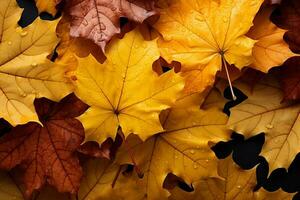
(149, 99)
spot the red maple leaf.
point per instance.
(47, 153)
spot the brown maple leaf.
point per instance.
(47, 153)
(98, 20)
(287, 16)
(289, 76)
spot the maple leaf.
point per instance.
(24, 69)
(235, 184)
(182, 149)
(47, 6)
(98, 20)
(202, 34)
(117, 93)
(270, 49)
(47, 153)
(104, 179)
(287, 16)
(279, 121)
(289, 76)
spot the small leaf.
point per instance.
(98, 20)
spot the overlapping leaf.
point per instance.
(24, 69)
(279, 121)
(125, 91)
(182, 149)
(270, 50)
(199, 34)
(98, 20)
(47, 153)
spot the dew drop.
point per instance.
(38, 95)
(9, 43)
(206, 160)
(102, 26)
(253, 3)
(22, 93)
(225, 19)
(195, 165)
(34, 64)
(269, 126)
(23, 33)
(176, 157)
(168, 37)
(192, 151)
(239, 187)
(85, 22)
(199, 18)
(144, 45)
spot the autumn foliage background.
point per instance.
(149, 99)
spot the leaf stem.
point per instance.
(228, 78)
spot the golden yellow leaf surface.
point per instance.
(236, 183)
(25, 71)
(263, 111)
(200, 33)
(103, 180)
(270, 50)
(182, 149)
(125, 91)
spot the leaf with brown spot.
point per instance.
(46, 154)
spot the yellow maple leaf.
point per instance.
(202, 33)
(270, 50)
(279, 121)
(125, 91)
(25, 71)
(236, 183)
(182, 149)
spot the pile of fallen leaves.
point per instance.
(124, 99)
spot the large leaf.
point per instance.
(199, 33)
(263, 111)
(25, 72)
(234, 183)
(125, 91)
(182, 149)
